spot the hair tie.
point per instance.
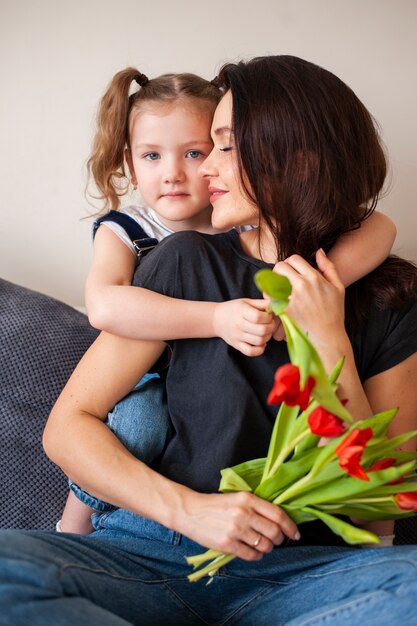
(216, 82)
(141, 79)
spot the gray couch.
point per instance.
(41, 341)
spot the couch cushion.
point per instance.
(41, 340)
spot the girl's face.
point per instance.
(168, 144)
(231, 206)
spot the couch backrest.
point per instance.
(41, 341)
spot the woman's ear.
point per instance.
(129, 161)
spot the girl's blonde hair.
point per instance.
(106, 163)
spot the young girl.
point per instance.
(162, 132)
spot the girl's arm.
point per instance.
(78, 441)
(357, 253)
(115, 306)
(113, 267)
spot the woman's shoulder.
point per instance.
(386, 338)
(191, 241)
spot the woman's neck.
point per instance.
(260, 244)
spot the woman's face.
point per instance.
(231, 206)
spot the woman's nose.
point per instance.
(207, 167)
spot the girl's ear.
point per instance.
(129, 161)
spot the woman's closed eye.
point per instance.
(226, 149)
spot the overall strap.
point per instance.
(139, 238)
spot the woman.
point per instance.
(296, 152)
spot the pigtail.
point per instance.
(106, 162)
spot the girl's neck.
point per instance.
(201, 223)
(260, 244)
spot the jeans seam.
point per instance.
(261, 593)
(163, 581)
(183, 603)
(332, 613)
(411, 562)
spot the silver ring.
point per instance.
(257, 541)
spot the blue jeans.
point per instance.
(133, 571)
(141, 422)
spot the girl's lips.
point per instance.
(174, 195)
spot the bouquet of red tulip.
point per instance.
(358, 473)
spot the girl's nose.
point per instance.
(174, 173)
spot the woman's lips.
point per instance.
(215, 194)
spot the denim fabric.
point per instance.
(141, 422)
(133, 571)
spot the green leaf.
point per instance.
(249, 471)
(379, 422)
(277, 287)
(386, 447)
(231, 481)
(335, 373)
(280, 435)
(286, 475)
(349, 533)
(347, 486)
(303, 354)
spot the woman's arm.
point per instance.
(357, 253)
(317, 306)
(118, 308)
(78, 441)
(396, 387)
(393, 388)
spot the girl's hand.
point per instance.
(244, 324)
(237, 523)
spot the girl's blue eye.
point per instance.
(152, 156)
(194, 154)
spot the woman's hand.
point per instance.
(317, 299)
(236, 523)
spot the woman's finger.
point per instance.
(328, 269)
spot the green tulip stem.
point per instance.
(384, 499)
(294, 490)
(211, 568)
(287, 451)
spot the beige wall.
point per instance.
(57, 57)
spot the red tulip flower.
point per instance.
(287, 387)
(384, 464)
(381, 464)
(350, 452)
(324, 423)
(407, 500)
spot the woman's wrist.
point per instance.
(332, 350)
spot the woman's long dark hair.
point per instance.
(313, 161)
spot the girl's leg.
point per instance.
(141, 422)
(76, 516)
